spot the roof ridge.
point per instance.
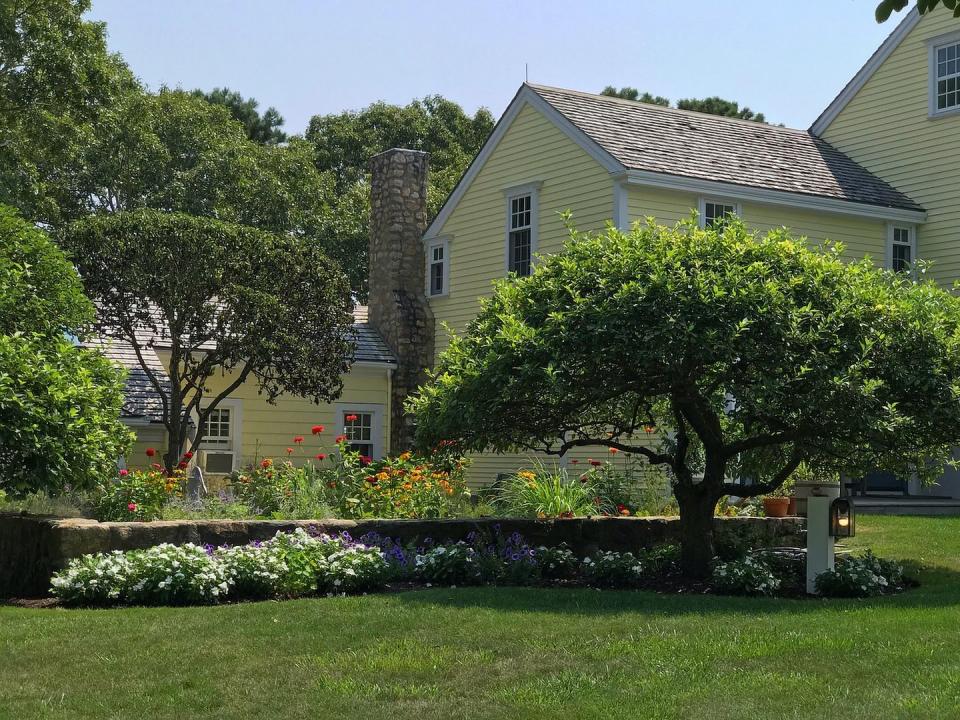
(679, 111)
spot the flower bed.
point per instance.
(298, 563)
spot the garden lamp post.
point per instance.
(820, 551)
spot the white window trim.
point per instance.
(444, 242)
(533, 190)
(934, 44)
(376, 411)
(702, 208)
(912, 229)
(236, 432)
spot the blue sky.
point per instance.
(786, 58)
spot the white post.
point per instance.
(819, 539)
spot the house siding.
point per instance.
(861, 237)
(532, 149)
(267, 430)
(886, 128)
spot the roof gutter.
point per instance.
(814, 203)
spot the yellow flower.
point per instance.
(526, 475)
(405, 456)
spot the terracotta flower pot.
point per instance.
(792, 507)
(776, 506)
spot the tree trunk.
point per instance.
(696, 532)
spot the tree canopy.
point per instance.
(711, 105)
(887, 7)
(265, 128)
(59, 403)
(269, 307)
(752, 353)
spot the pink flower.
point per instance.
(132, 507)
(124, 473)
(351, 418)
(298, 439)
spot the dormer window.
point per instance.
(945, 75)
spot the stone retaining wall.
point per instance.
(33, 547)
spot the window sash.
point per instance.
(716, 214)
(947, 74)
(217, 430)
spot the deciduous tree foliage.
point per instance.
(269, 307)
(752, 353)
(888, 7)
(59, 403)
(56, 77)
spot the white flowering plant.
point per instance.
(254, 571)
(860, 576)
(175, 575)
(456, 564)
(746, 576)
(353, 569)
(557, 563)
(613, 570)
(99, 579)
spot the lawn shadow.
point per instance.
(939, 588)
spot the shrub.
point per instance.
(860, 576)
(557, 563)
(93, 579)
(136, 494)
(746, 576)
(612, 570)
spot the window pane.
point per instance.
(520, 254)
(436, 279)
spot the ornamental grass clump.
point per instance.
(547, 493)
(746, 576)
(861, 576)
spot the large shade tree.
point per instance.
(263, 128)
(223, 298)
(59, 402)
(713, 105)
(752, 354)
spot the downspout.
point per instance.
(389, 413)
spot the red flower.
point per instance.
(156, 466)
(188, 455)
(371, 479)
(365, 459)
(321, 456)
(596, 463)
(340, 438)
(614, 451)
(351, 418)
(574, 462)
(298, 439)
(132, 507)
(316, 429)
(289, 450)
(182, 465)
(124, 473)
(266, 462)
(151, 452)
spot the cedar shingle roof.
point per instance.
(141, 399)
(709, 147)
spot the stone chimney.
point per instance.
(397, 300)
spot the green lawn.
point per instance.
(508, 653)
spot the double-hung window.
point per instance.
(219, 437)
(362, 425)
(945, 74)
(901, 248)
(522, 210)
(438, 268)
(714, 213)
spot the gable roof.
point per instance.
(697, 152)
(720, 149)
(143, 402)
(850, 90)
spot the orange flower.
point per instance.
(614, 451)
(266, 462)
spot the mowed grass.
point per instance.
(508, 653)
